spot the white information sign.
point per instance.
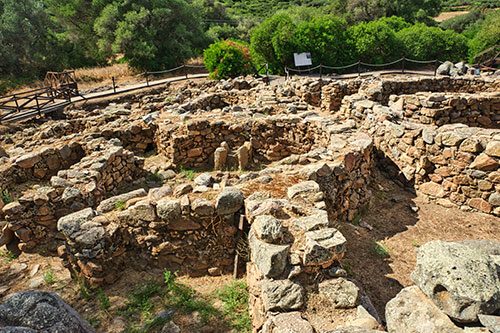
(302, 59)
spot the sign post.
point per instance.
(302, 59)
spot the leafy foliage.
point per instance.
(234, 298)
(228, 59)
(426, 43)
(487, 35)
(375, 42)
(152, 34)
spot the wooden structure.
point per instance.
(58, 89)
(62, 84)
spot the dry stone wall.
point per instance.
(34, 215)
(440, 108)
(454, 164)
(39, 165)
(273, 138)
(190, 234)
(291, 247)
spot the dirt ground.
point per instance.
(448, 15)
(401, 222)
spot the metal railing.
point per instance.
(402, 65)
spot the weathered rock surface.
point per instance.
(229, 201)
(291, 322)
(323, 246)
(341, 293)
(110, 204)
(268, 229)
(282, 295)
(461, 279)
(40, 311)
(271, 259)
(412, 312)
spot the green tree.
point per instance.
(375, 42)
(427, 43)
(75, 19)
(228, 58)
(152, 34)
(29, 43)
(271, 42)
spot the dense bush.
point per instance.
(426, 43)
(327, 40)
(228, 58)
(375, 42)
(486, 36)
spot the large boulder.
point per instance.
(461, 278)
(444, 68)
(42, 312)
(412, 312)
(229, 201)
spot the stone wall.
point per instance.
(454, 164)
(329, 93)
(34, 215)
(40, 164)
(194, 143)
(381, 90)
(441, 108)
(192, 234)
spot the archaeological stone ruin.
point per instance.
(209, 178)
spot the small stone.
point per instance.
(493, 148)
(182, 189)
(290, 322)
(303, 189)
(485, 163)
(202, 207)
(169, 210)
(433, 189)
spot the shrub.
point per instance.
(426, 43)
(228, 59)
(375, 42)
(327, 40)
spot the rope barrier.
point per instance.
(303, 70)
(341, 67)
(381, 65)
(422, 62)
(165, 71)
